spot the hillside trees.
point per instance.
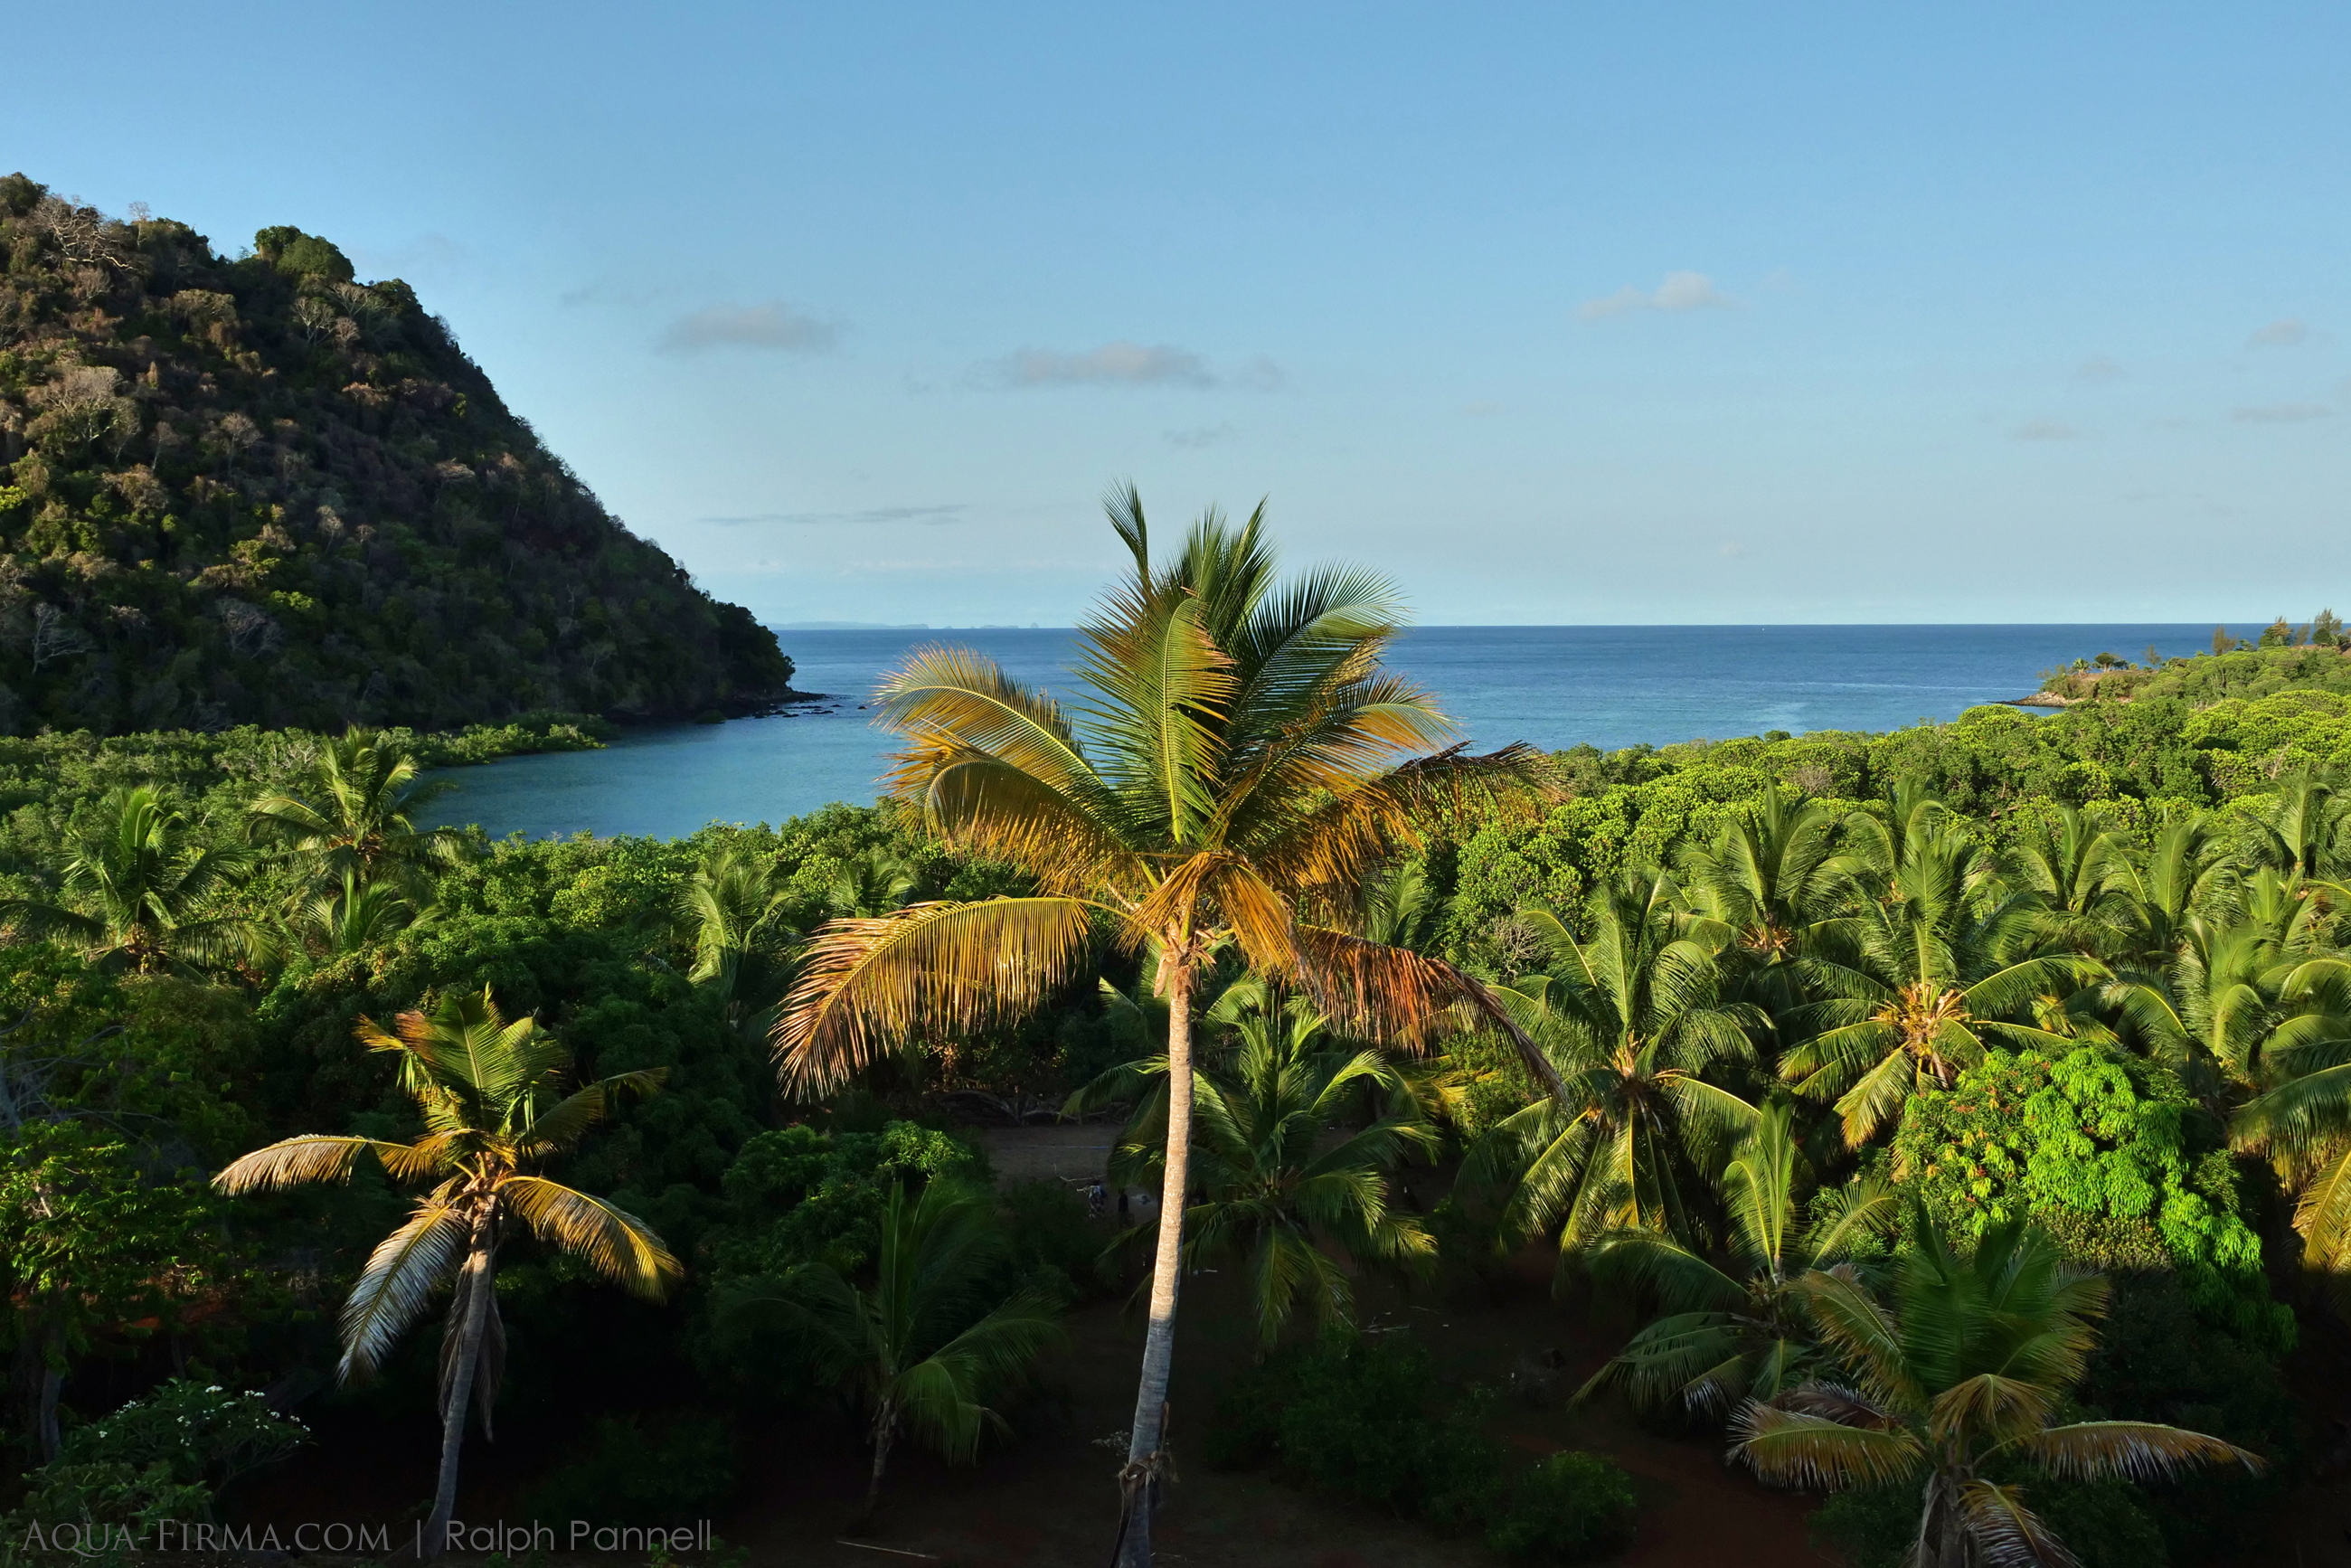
(256, 489)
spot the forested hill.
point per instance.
(255, 490)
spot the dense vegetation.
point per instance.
(255, 490)
(1951, 1015)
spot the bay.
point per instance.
(1553, 686)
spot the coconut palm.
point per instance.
(2186, 874)
(2300, 1114)
(1275, 1190)
(916, 1349)
(1733, 1332)
(1957, 1383)
(744, 927)
(1236, 762)
(875, 881)
(2076, 864)
(488, 1092)
(1632, 1014)
(140, 890)
(357, 916)
(1768, 890)
(2303, 831)
(1946, 958)
(358, 814)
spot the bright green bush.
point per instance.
(2095, 1147)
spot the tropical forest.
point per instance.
(1219, 1115)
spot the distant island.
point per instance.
(255, 490)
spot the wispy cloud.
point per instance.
(930, 514)
(2292, 332)
(2283, 413)
(2098, 368)
(773, 326)
(1680, 292)
(1120, 363)
(2046, 429)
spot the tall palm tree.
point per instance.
(1274, 1189)
(358, 813)
(1767, 890)
(140, 890)
(745, 924)
(1235, 763)
(1960, 1379)
(916, 1348)
(1732, 1333)
(1633, 1013)
(488, 1091)
(1944, 958)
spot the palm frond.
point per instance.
(617, 1245)
(869, 983)
(1787, 1448)
(398, 1282)
(2134, 1451)
(296, 1162)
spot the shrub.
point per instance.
(663, 1471)
(1353, 1418)
(1571, 1507)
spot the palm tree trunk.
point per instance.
(53, 1382)
(1139, 1481)
(475, 1288)
(885, 1422)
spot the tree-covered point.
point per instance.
(255, 490)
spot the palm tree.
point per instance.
(1940, 962)
(1767, 890)
(2300, 1114)
(1956, 1384)
(486, 1090)
(359, 814)
(2302, 832)
(1237, 762)
(140, 891)
(1633, 1013)
(743, 920)
(1733, 1333)
(1275, 1191)
(2185, 874)
(874, 882)
(358, 915)
(909, 1347)
(2075, 863)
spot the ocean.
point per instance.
(1554, 687)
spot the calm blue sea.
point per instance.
(1552, 685)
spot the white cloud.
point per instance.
(774, 325)
(2045, 430)
(2292, 332)
(2098, 368)
(2283, 413)
(1678, 291)
(1120, 363)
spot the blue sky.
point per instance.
(1622, 314)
